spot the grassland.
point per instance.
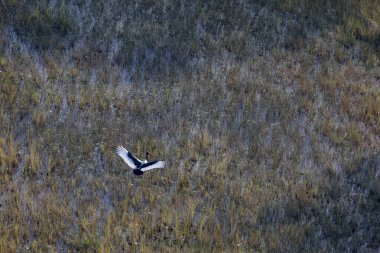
(267, 113)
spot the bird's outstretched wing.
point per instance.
(152, 165)
(130, 159)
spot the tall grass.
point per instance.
(267, 114)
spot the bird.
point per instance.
(138, 166)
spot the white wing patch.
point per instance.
(123, 153)
(155, 165)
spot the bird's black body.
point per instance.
(138, 172)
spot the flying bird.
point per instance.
(138, 166)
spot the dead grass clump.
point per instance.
(319, 48)
(8, 155)
(39, 118)
(8, 87)
(371, 110)
(33, 163)
(13, 228)
(203, 142)
(86, 98)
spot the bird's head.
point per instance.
(147, 154)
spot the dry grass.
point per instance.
(8, 155)
(267, 116)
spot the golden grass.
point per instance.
(33, 159)
(271, 142)
(8, 155)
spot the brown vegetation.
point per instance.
(267, 113)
